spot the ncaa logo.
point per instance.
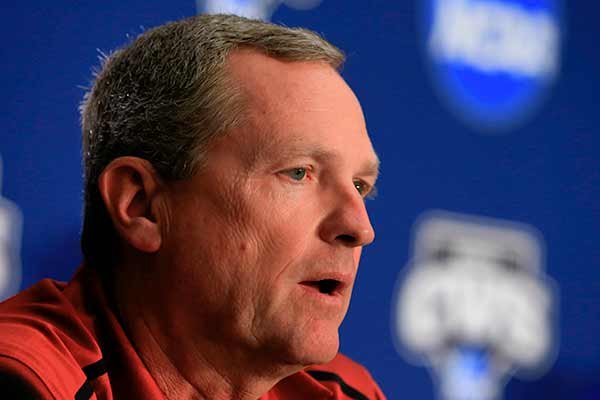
(492, 60)
(10, 245)
(257, 9)
(475, 305)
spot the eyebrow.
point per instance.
(371, 168)
(297, 147)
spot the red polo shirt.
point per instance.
(62, 341)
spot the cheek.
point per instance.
(268, 229)
(275, 255)
(272, 221)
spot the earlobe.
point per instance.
(129, 186)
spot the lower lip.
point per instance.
(333, 299)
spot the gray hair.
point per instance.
(165, 97)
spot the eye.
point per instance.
(296, 174)
(364, 189)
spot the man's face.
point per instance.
(263, 243)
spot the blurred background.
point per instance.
(484, 279)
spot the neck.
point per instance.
(188, 365)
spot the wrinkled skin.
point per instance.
(279, 202)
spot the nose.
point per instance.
(348, 222)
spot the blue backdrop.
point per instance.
(544, 172)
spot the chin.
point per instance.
(317, 346)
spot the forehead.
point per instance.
(299, 106)
(270, 84)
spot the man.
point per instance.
(226, 166)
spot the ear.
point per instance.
(129, 186)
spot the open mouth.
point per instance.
(324, 286)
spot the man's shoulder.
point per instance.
(40, 314)
(344, 375)
(52, 312)
(32, 317)
(19, 381)
(42, 339)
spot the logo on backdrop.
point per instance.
(259, 9)
(493, 60)
(475, 305)
(10, 245)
